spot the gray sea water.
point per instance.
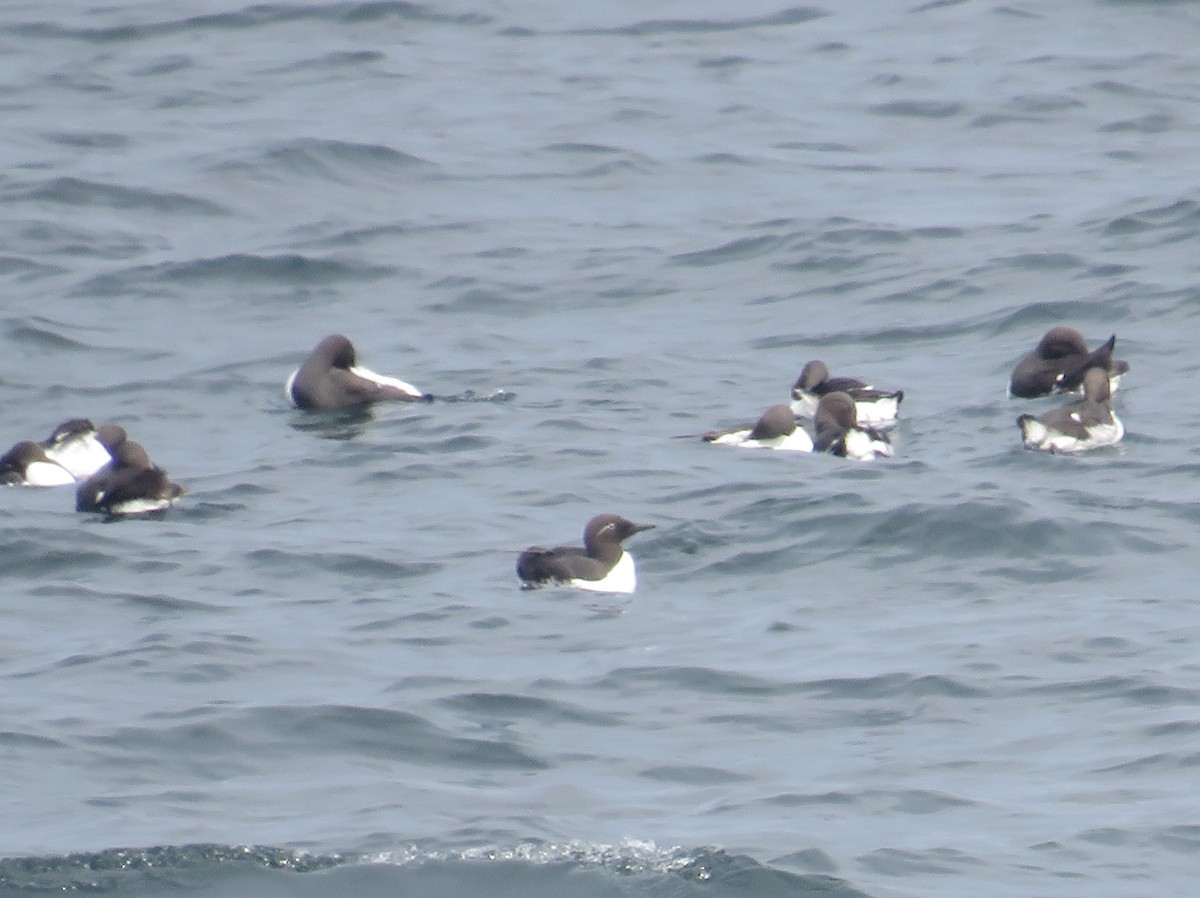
(966, 670)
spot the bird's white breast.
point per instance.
(622, 578)
(83, 456)
(44, 473)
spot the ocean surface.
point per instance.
(589, 230)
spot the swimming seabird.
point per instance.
(129, 484)
(600, 564)
(839, 433)
(26, 464)
(1058, 364)
(329, 379)
(1077, 426)
(876, 407)
(81, 447)
(776, 429)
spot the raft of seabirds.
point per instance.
(114, 475)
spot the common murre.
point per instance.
(81, 447)
(600, 564)
(1058, 364)
(330, 379)
(1087, 423)
(26, 464)
(129, 484)
(776, 429)
(873, 407)
(839, 433)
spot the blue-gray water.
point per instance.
(967, 670)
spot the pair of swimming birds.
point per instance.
(1062, 363)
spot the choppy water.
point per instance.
(967, 670)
